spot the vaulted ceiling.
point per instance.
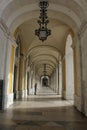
(66, 16)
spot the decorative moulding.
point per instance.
(6, 31)
(82, 29)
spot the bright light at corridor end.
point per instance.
(43, 32)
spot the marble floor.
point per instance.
(42, 112)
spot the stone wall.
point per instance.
(6, 43)
(83, 38)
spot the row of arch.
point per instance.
(71, 19)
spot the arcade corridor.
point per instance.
(45, 111)
(43, 51)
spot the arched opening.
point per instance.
(45, 81)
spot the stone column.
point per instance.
(34, 77)
(25, 77)
(21, 77)
(8, 80)
(83, 55)
(57, 79)
(77, 73)
(63, 79)
(52, 81)
(6, 64)
(17, 80)
(60, 78)
(69, 76)
(30, 76)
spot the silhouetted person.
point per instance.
(35, 88)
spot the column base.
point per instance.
(8, 100)
(77, 102)
(64, 95)
(21, 94)
(69, 96)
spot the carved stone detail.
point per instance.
(6, 31)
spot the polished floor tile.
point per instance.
(42, 112)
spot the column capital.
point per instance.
(22, 56)
(82, 29)
(74, 40)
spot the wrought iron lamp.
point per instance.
(43, 32)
